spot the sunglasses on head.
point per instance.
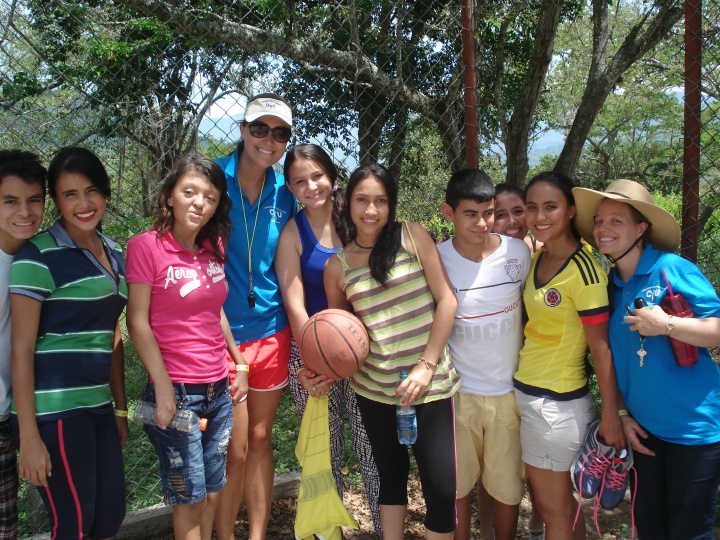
(260, 130)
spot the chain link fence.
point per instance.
(141, 93)
(142, 83)
(703, 167)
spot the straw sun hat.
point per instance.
(665, 231)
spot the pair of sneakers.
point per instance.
(601, 471)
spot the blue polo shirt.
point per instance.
(677, 404)
(81, 304)
(275, 205)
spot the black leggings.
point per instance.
(434, 452)
(340, 397)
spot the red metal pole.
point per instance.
(691, 153)
(472, 158)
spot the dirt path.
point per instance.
(614, 525)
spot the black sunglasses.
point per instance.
(260, 130)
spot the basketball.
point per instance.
(334, 343)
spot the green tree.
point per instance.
(137, 79)
(151, 69)
(313, 43)
(637, 133)
(613, 53)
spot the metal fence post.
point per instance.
(469, 83)
(692, 128)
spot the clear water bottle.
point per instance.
(406, 418)
(184, 420)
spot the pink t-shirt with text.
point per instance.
(188, 291)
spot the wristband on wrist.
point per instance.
(242, 367)
(623, 412)
(428, 364)
(121, 413)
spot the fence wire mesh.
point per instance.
(708, 186)
(144, 82)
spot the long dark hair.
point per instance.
(388, 243)
(218, 228)
(241, 143)
(316, 154)
(75, 159)
(78, 160)
(564, 184)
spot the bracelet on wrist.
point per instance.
(121, 413)
(670, 325)
(242, 367)
(623, 412)
(428, 364)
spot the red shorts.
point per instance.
(268, 360)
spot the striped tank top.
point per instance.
(398, 318)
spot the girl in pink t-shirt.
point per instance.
(177, 288)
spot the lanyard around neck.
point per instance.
(251, 240)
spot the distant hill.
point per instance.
(226, 128)
(551, 143)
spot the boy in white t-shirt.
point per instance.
(487, 272)
(22, 204)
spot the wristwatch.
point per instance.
(669, 326)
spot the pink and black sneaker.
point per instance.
(616, 479)
(589, 466)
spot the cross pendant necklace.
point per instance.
(642, 352)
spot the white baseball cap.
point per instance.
(267, 106)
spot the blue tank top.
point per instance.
(312, 265)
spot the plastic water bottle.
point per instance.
(406, 418)
(184, 420)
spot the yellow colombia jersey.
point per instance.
(553, 356)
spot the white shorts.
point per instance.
(552, 432)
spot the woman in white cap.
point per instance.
(262, 204)
(670, 413)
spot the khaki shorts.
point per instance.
(551, 431)
(487, 431)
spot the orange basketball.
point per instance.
(334, 343)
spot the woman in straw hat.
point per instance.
(670, 414)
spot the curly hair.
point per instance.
(218, 228)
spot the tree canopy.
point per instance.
(392, 59)
(359, 72)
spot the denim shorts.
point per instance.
(193, 464)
